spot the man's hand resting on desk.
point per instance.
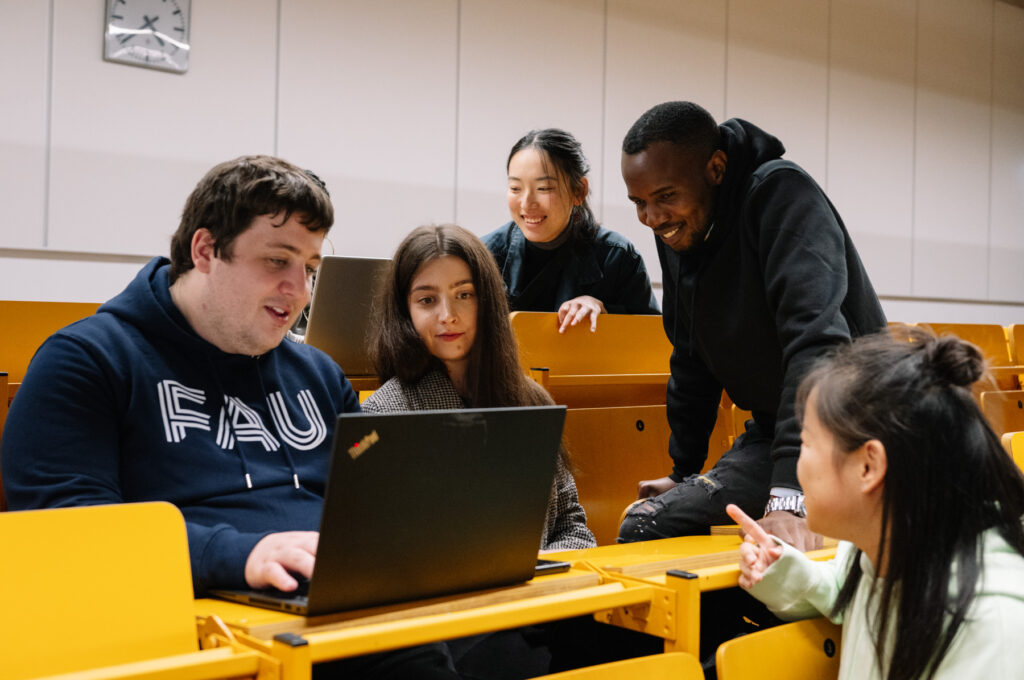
(649, 488)
(791, 529)
(277, 554)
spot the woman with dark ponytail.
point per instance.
(899, 463)
(553, 255)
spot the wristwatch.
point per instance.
(793, 504)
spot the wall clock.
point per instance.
(151, 33)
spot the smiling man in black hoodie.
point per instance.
(760, 279)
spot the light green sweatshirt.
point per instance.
(988, 646)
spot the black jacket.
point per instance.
(775, 285)
(609, 269)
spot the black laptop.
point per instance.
(339, 313)
(427, 503)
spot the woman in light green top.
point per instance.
(899, 463)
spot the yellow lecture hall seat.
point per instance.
(1015, 338)
(623, 363)
(992, 340)
(1013, 442)
(1004, 410)
(3, 418)
(804, 650)
(28, 324)
(669, 666)
(610, 450)
(105, 592)
(989, 337)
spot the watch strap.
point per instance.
(792, 504)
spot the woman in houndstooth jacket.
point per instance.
(441, 339)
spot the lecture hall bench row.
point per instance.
(120, 627)
(613, 382)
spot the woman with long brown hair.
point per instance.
(441, 339)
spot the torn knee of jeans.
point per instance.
(647, 506)
(705, 482)
(640, 521)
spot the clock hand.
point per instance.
(149, 24)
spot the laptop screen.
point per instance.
(339, 314)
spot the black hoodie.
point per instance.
(776, 284)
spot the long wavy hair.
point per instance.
(948, 480)
(493, 375)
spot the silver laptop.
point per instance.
(339, 314)
(426, 503)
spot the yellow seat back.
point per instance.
(623, 343)
(1004, 410)
(670, 666)
(3, 418)
(1015, 338)
(28, 324)
(611, 450)
(93, 586)
(1013, 442)
(805, 650)
(989, 337)
(624, 362)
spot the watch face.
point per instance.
(151, 33)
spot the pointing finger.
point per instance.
(749, 526)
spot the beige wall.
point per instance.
(909, 112)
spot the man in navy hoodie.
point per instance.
(183, 388)
(760, 279)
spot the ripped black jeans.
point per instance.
(741, 476)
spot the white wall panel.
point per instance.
(523, 65)
(368, 94)
(871, 133)
(24, 60)
(1006, 259)
(658, 50)
(953, 123)
(777, 75)
(908, 111)
(65, 277)
(130, 143)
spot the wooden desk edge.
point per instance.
(266, 623)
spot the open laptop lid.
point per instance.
(339, 314)
(427, 503)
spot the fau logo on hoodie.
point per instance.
(235, 420)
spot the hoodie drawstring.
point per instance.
(231, 428)
(284, 443)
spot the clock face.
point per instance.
(151, 33)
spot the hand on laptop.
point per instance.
(277, 554)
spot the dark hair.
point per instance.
(235, 192)
(571, 166)
(683, 123)
(947, 481)
(493, 376)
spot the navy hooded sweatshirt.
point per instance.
(132, 405)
